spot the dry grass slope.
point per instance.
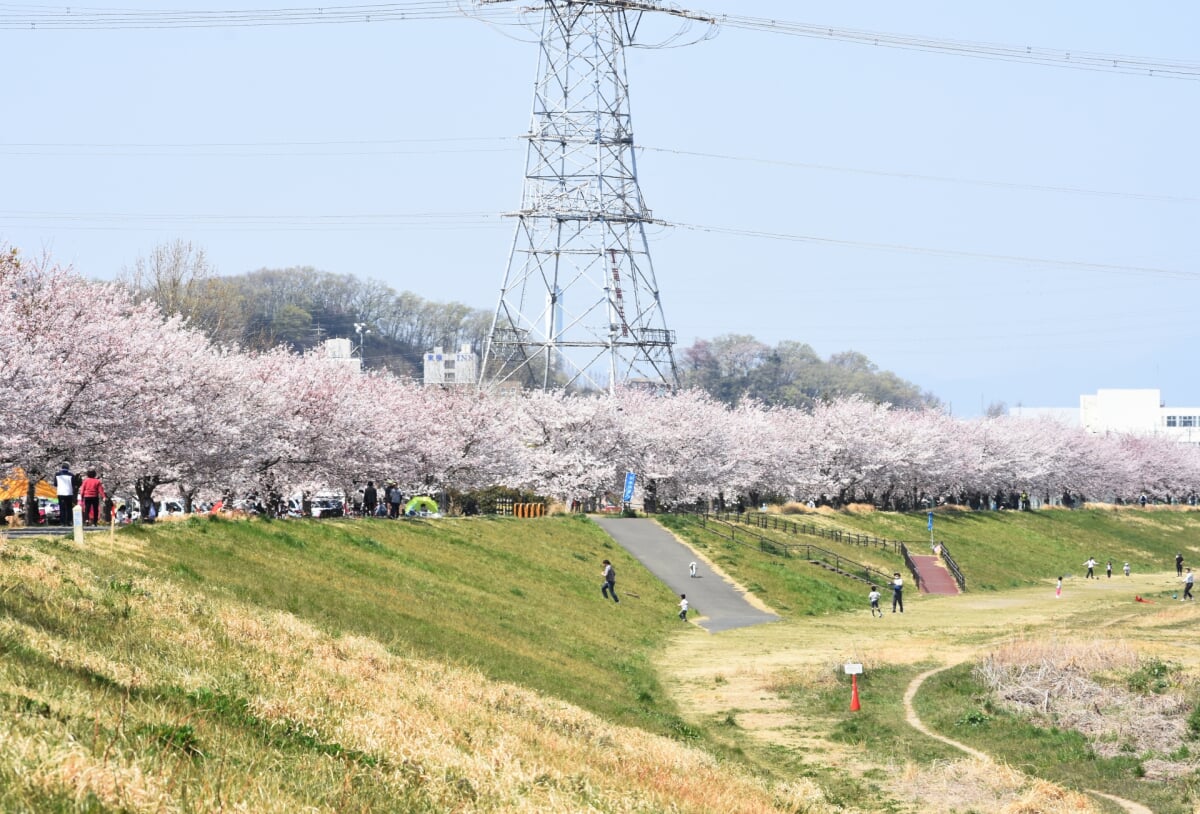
(425, 735)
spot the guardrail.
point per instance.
(814, 554)
(912, 566)
(772, 521)
(952, 567)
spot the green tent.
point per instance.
(421, 503)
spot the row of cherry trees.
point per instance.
(93, 378)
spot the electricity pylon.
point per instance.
(579, 305)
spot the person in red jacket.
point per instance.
(92, 492)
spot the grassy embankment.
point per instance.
(787, 692)
(456, 665)
(998, 550)
(344, 666)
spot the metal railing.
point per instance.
(775, 522)
(912, 566)
(952, 566)
(811, 553)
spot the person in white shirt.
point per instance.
(898, 593)
(64, 487)
(873, 598)
(683, 607)
(1091, 567)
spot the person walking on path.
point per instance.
(64, 487)
(683, 606)
(898, 593)
(610, 582)
(1058, 589)
(1091, 567)
(1179, 565)
(873, 598)
(1188, 579)
(1126, 569)
(92, 492)
(692, 570)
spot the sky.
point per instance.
(989, 230)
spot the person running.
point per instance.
(1058, 589)
(683, 606)
(610, 582)
(1188, 579)
(873, 598)
(898, 592)
(1091, 567)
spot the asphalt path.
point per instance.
(720, 604)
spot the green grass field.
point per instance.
(471, 665)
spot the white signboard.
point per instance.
(853, 669)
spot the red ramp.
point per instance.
(934, 577)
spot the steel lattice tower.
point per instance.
(579, 305)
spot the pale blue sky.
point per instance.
(346, 138)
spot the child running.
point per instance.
(873, 598)
(683, 606)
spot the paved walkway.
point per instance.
(722, 605)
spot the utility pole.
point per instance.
(579, 304)
(362, 330)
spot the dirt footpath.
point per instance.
(733, 673)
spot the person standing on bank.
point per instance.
(1091, 567)
(1126, 569)
(370, 499)
(64, 486)
(610, 582)
(1108, 568)
(92, 492)
(1179, 565)
(898, 592)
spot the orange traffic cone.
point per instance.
(854, 705)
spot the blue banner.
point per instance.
(630, 480)
(931, 521)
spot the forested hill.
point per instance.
(300, 307)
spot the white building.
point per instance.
(461, 367)
(341, 352)
(1135, 412)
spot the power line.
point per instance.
(75, 18)
(32, 17)
(1076, 265)
(125, 221)
(1057, 57)
(380, 147)
(1190, 199)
